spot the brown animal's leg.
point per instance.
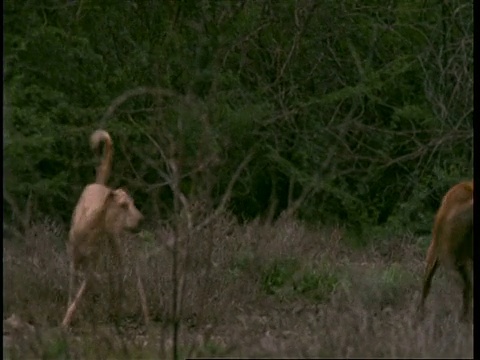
(431, 267)
(467, 288)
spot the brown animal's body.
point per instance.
(100, 217)
(452, 240)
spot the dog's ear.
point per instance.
(110, 196)
(121, 189)
(120, 197)
(119, 192)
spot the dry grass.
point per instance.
(251, 291)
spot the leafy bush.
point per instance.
(360, 120)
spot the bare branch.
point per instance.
(228, 192)
(159, 92)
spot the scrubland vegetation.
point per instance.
(288, 156)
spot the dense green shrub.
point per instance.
(368, 108)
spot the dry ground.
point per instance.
(251, 290)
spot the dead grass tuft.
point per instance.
(251, 290)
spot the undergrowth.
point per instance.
(251, 290)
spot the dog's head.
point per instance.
(122, 214)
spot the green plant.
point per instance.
(277, 273)
(317, 284)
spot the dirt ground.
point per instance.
(282, 290)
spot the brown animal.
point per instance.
(452, 240)
(100, 217)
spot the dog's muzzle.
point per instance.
(136, 229)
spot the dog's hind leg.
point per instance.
(88, 281)
(116, 273)
(71, 278)
(73, 306)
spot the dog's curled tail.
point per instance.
(105, 167)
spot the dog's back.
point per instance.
(89, 207)
(88, 222)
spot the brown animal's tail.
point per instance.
(105, 167)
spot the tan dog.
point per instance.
(100, 217)
(452, 241)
